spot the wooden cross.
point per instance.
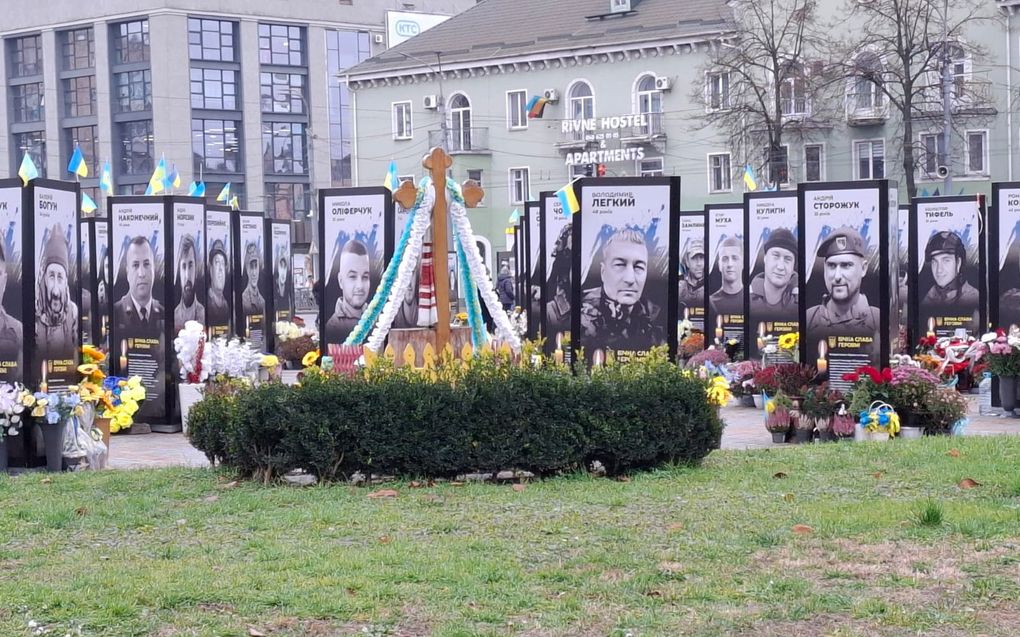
(438, 162)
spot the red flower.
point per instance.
(871, 372)
(887, 375)
(851, 377)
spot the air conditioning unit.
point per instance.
(430, 102)
(663, 84)
(378, 38)
(551, 95)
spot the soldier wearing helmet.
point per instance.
(946, 255)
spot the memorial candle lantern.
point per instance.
(822, 363)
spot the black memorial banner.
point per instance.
(281, 297)
(532, 302)
(626, 266)
(724, 302)
(903, 283)
(947, 259)
(219, 234)
(53, 338)
(1004, 255)
(556, 239)
(692, 268)
(189, 276)
(847, 246)
(356, 229)
(771, 305)
(12, 294)
(251, 278)
(86, 266)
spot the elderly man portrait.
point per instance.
(56, 315)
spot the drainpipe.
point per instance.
(1009, 91)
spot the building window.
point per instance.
(34, 144)
(87, 138)
(216, 146)
(717, 88)
(460, 122)
(214, 89)
(136, 147)
(516, 110)
(281, 44)
(933, 150)
(977, 152)
(283, 148)
(793, 94)
(866, 92)
(343, 49)
(719, 174)
(283, 92)
(286, 200)
(133, 91)
(80, 96)
(131, 42)
(475, 175)
(27, 100)
(581, 105)
(649, 104)
(402, 120)
(211, 40)
(650, 167)
(132, 189)
(78, 49)
(520, 185)
(777, 168)
(25, 55)
(814, 162)
(870, 156)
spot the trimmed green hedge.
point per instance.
(491, 416)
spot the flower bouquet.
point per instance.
(293, 341)
(120, 401)
(880, 421)
(817, 409)
(12, 405)
(743, 377)
(233, 359)
(191, 353)
(778, 416)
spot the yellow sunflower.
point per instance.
(788, 341)
(310, 358)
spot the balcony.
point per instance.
(973, 97)
(462, 140)
(866, 109)
(651, 129)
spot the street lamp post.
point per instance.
(947, 112)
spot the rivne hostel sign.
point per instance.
(601, 131)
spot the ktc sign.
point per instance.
(404, 25)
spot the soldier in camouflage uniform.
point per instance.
(692, 283)
(844, 310)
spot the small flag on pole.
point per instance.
(197, 189)
(234, 205)
(106, 179)
(156, 182)
(515, 216)
(568, 199)
(750, 180)
(536, 107)
(77, 165)
(172, 179)
(392, 181)
(88, 206)
(224, 195)
(27, 171)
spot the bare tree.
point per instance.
(763, 83)
(895, 56)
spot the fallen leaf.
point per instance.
(456, 484)
(802, 529)
(789, 497)
(383, 493)
(46, 480)
(671, 568)
(229, 485)
(384, 539)
(255, 632)
(623, 478)
(969, 483)
(779, 475)
(211, 498)
(415, 484)
(676, 526)
(81, 511)
(519, 487)
(953, 453)
(876, 475)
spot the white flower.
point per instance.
(989, 337)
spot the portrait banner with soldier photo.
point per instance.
(103, 282)
(556, 238)
(86, 267)
(250, 277)
(532, 302)
(219, 309)
(1004, 255)
(352, 225)
(724, 237)
(903, 261)
(141, 324)
(12, 302)
(843, 322)
(57, 298)
(189, 292)
(773, 287)
(626, 267)
(692, 292)
(947, 259)
(283, 279)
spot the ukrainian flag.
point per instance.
(234, 205)
(156, 182)
(106, 179)
(197, 189)
(392, 182)
(77, 165)
(172, 180)
(750, 181)
(88, 206)
(27, 171)
(568, 199)
(515, 216)
(224, 195)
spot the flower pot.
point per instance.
(3, 453)
(748, 401)
(103, 425)
(759, 402)
(53, 442)
(826, 435)
(189, 394)
(1007, 393)
(911, 433)
(778, 437)
(289, 376)
(802, 436)
(876, 436)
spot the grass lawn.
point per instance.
(890, 545)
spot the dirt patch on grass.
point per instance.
(412, 623)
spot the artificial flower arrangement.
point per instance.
(743, 377)
(1002, 352)
(13, 398)
(460, 319)
(192, 353)
(880, 417)
(120, 399)
(951, 357)
(293, 341)
(54, 407)
(519, 321)
(718, 391)
(692, 344)
(817, 408)
(712, 356)
(783, 347)
(233, 359)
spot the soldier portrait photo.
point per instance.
(139, 312)
(728, 298)
(353, 278)
(11, 334)
(946, 280)
(845, 309)
(252, 301)
(557, 283)
(218, 309)
(283, 287)
(626, 310)
(692, 275)
(56, 315)
(189, 308)
(773, 290)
